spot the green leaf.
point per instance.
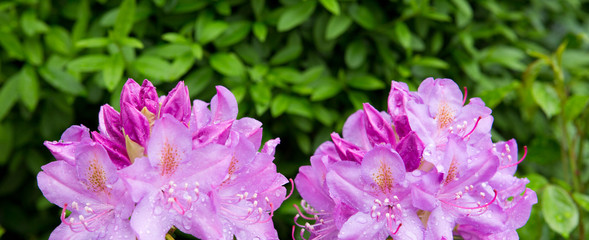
(31, 25)
(29, 87)
(184, 6)
(336, 26)
(464, 8)
(153, 67)
(93, 42)
(537, 181)
(327, 88)
(324, 115)
(125, 18)
(207, 29)
(295, 15)
(546, 97)
(365, 82)
(173, 37)
(432, 62)
(258, 72)
(181, 65)
(131, 42)
(159, 3)
(582, 200)
(493, 97)
(196, 50)
(236, 32)
(357, 99)
(9, 94)
(362, 16)
(331, 5)
(258, 7)
(227, 64)
(560, 212)
(403, 35)
(7, 136)
(88, 63)
(169, 51)
(12, 45)
(198, 80)
(291, 51)
(33, 50)
(300, 106)
(61, 80)
(261, 95)
(303, 141)
(113, 70)
(575, 106)
(510, 57)
(223, 8)
(279, 104)
(261, 31)
(356, 54)
(58, 39)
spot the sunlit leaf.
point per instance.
(331, 5)
(125, 18)
(336, 26)
(61, 80)
(560, 212)
(295, 15)
(227, 64)
(356, 54)
(9, 94)
(29, 89)
(547, 98)
(112, 73)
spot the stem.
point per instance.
(567, 144)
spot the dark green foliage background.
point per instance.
(300, 67)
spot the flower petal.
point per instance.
(148, 96)
(94, 167)
(251, 128)
(223, 105)
(383, 169)
(378, 129)
(169, 144)
(362, 226)
(146, 222)
(410, 149)
(130, 94)
(345, 185)
(177, 103)
(135, 124)
(354, 130)
(110, 123)
(59, 184)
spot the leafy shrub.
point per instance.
(301, 67)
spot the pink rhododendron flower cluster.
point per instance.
(162, 162)
(426, 169)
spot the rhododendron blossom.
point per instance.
(162, 163)
(426, 169)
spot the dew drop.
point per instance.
(362, 220)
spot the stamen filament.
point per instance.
(473, 128)
(465, 94)
(518, 162)
(472, 208)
